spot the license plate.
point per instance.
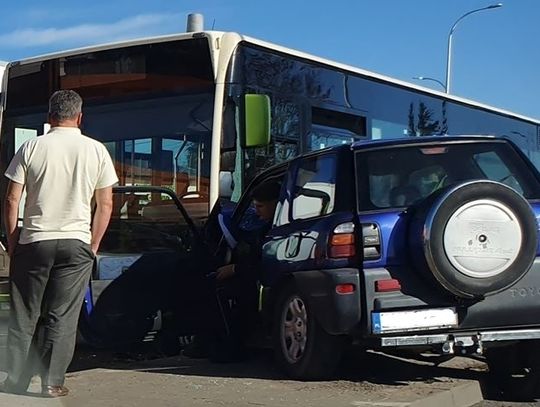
(403, 321)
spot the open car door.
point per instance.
(149, 242)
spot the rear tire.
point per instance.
(302, 348)
(515, 370)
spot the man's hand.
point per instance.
(11, 214)
(13, 240)
(225, 272)
(104, 202)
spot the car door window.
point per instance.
(246, 215)
(146, 221)
(314, 187)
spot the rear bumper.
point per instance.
(337, 313)
(461, 339)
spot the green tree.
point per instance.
(426, 125)
(412, 126)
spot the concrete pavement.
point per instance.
(103, 387)
(373, 380)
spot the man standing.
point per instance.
(52, 259)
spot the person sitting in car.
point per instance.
(236, 286)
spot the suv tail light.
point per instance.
(342, 241)
(372, 241)
(384, 286)
(345, 289)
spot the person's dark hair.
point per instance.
(266, 192)
(64, 105)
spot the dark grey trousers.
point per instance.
(48, 282)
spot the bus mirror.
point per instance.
(257, 120)
(225, 184)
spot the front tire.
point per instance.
(302, 348)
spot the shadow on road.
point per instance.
(373, 367)
(357, 367)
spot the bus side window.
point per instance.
(330, 128)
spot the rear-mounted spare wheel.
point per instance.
(475, 238)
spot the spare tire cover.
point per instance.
(476, 238)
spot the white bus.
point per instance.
(203, 112)
(2, 68)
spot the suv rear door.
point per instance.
(402, 187)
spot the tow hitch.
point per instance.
(463, 345)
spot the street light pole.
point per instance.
(449, 54)
(425, 78)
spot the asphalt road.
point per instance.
(145, 378)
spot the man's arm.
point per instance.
(11, 214)
(104, 203)
(247, 264)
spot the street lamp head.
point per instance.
(426, 78)
(449, 54)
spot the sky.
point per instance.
(496, 58)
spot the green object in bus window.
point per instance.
(257, 120)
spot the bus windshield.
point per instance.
(151, 105)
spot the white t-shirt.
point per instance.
(60, 171)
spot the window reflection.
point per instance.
(390, 110)
(314, 188)
(137, 162)
(146, 221)
(323, 136)
(405, 175)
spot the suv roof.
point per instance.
(358, 145)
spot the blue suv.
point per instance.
(423, 243)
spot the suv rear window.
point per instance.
(403, 175)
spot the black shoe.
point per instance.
(54, 391)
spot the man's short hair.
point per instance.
(65, 105)
(266, 192)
